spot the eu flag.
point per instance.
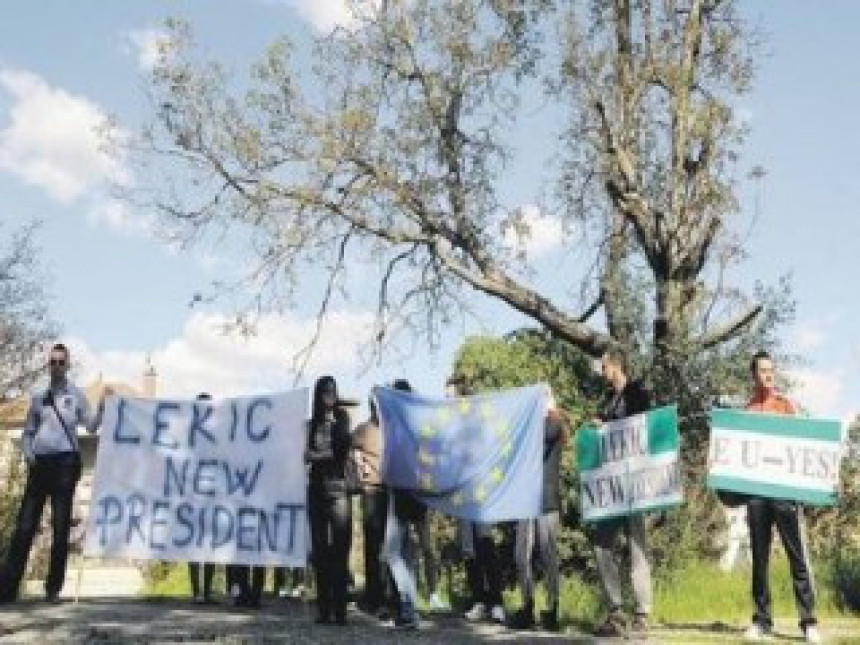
(479, 457)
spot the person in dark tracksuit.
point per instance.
(329, 505)
(763, 513)
(50, 446)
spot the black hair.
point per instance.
(204, 396)
(760, 355)
(401, 384)
(317, 409)
(458, 382)
(60, 347)
(374, 414)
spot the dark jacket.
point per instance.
(633, 399)
(552, 444)
(328, 450)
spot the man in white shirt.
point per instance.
(50, 446)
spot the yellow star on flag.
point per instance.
(444, 415)
(486, 411)
(427, 430)
(496, 475)
(465, 406)
(506, 448)
(426, 481)
(500, 428)
(425, 459)
(480, 493)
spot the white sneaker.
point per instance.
(477, 612)
(298, 592)
(437, 604)
(235, 591)
(498, 614)
(756, 632)
(812, 635)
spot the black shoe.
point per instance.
(340, 620)
(323, 619)
(549, 619)
(52, 598)
(640, 623)
(522, 619)
(614, 625)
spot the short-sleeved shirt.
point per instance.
(44, 433)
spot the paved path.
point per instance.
(172, 621)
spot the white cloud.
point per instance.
(52, 139)
(148, 45)
(204, 358)
(808, 336)
(533, 231)
(325, 15)
(119, 218)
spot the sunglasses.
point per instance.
(57, 362)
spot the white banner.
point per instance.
(206, 481)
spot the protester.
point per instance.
(625, 398)
(404, 511)
(543, 531)
(483, 571)
(367, 449)
(329, 507)
(763, 513)
(245, 585)
(50, 446)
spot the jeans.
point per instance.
(762, 514)
(374, 511)
(330, 515)
(194, 575)
(250, 581)
(483, 572)
(54, 476)
(398, 552)
(605, 534)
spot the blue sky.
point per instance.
(121, 295)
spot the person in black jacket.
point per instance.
(625, 398)
(543, 531)
(329, 508)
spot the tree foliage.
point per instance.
(25, 322)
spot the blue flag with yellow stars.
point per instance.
(479, 458)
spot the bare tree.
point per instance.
(25, 324)
(395, 149)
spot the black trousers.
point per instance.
(374, 511)
(194, 575)
(280, 578)
(52, 476)
(330, 515)
(762, 515)
(483, 572)
(250, 581)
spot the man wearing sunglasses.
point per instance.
(50, 446)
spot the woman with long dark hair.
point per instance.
(329, 507)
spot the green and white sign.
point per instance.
(629, 466)
(777, 456)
